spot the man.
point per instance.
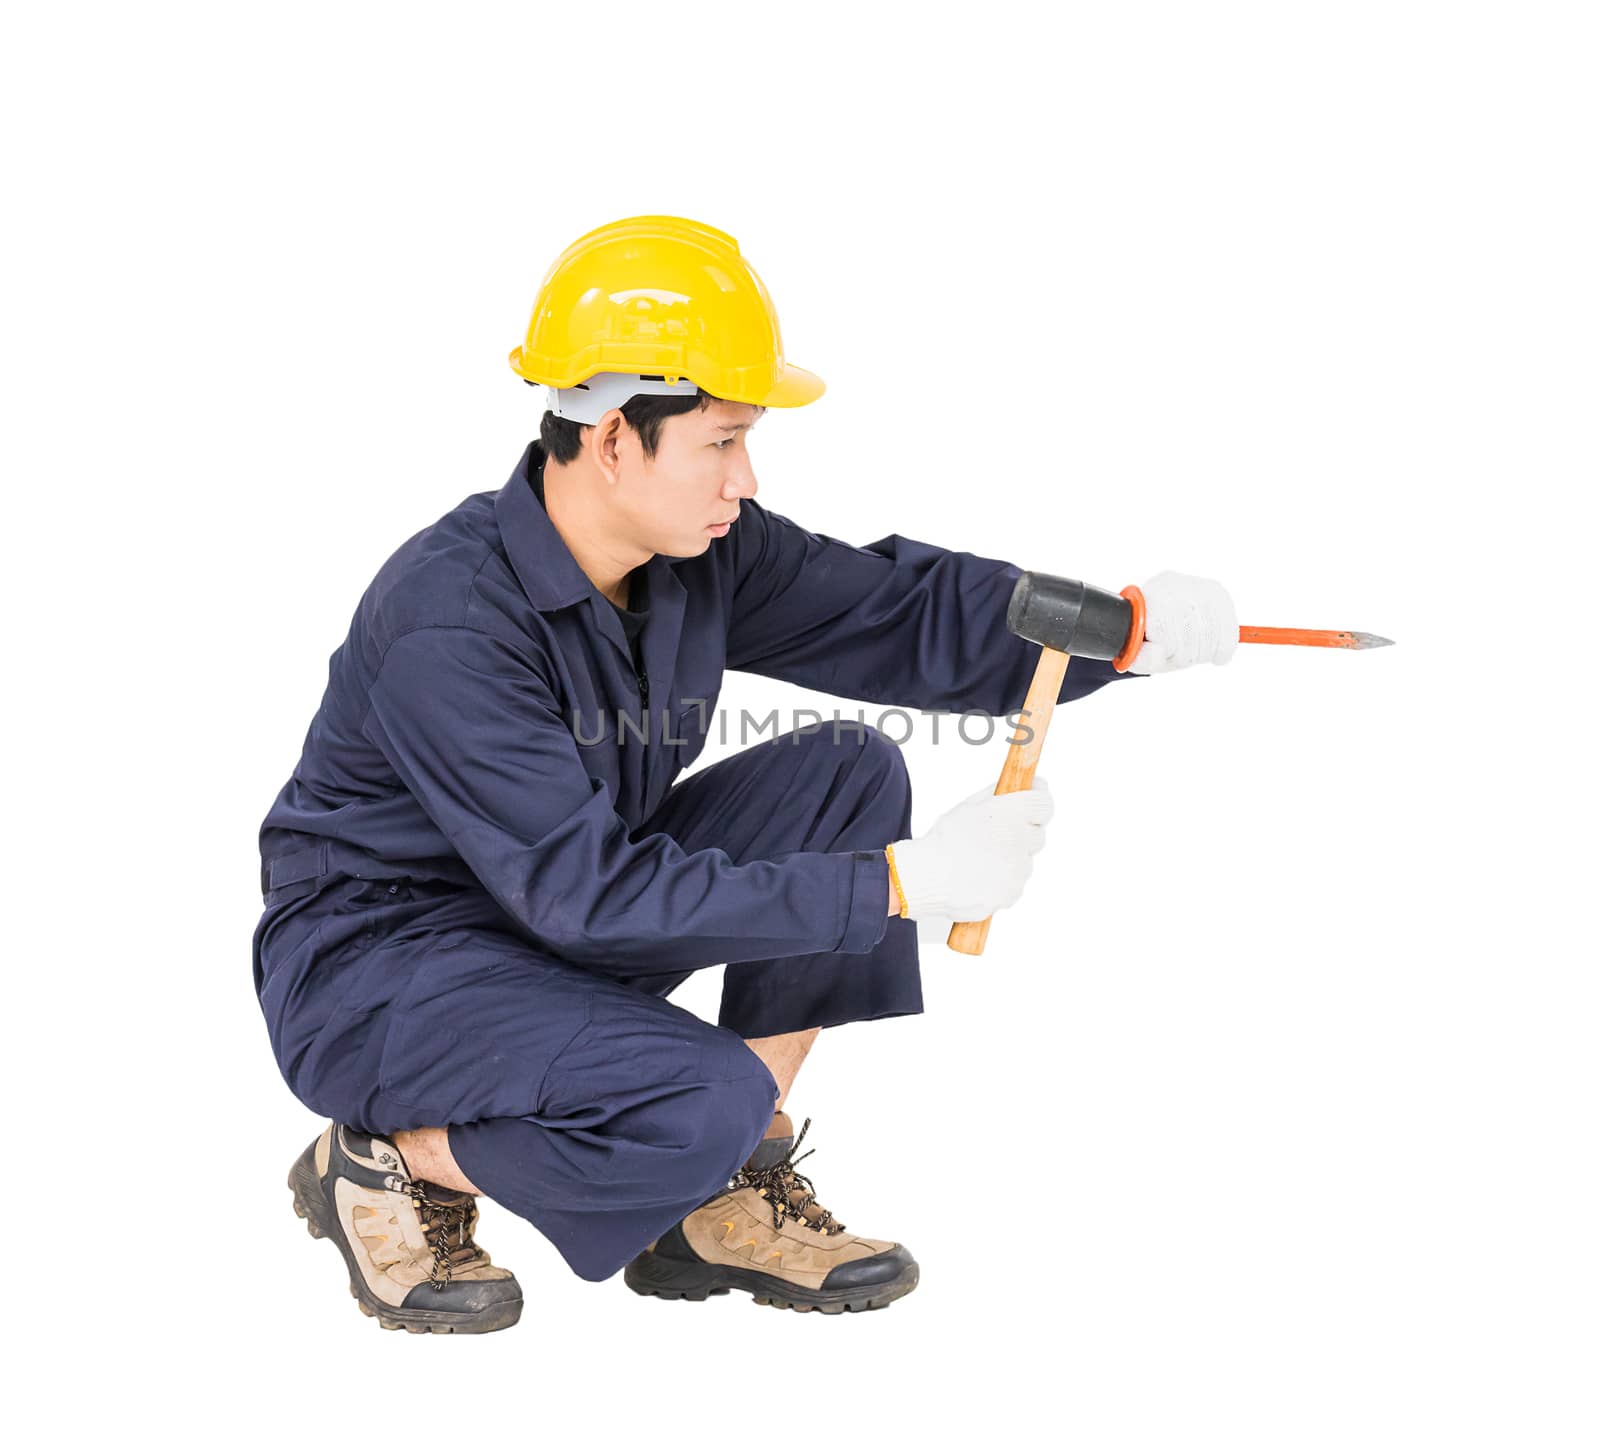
(481, 881)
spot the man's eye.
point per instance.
(725, 442)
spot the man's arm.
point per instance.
(899, 622)
(476, 734)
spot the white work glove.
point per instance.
(976, 858)
(1186, 620)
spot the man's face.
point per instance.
(685, 497)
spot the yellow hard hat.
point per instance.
(661, 296)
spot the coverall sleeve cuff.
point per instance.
(867, 915)
(1086, 675)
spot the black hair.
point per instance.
(563, 437)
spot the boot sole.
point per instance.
(312, 1206)
(674, 1279)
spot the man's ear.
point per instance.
(606, 444)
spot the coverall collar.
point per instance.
(549, 573)
(551, 577)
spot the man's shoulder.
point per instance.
(452, 573)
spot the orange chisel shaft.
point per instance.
(1311, 637)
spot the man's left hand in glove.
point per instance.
(1187, 620)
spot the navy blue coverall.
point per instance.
(480, 881)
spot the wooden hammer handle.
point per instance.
(1022, 761)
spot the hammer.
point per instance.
(1067, 617)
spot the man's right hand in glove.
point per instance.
(974, 860)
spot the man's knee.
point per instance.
(881, 774)
(858, 782)
(881, 753)
(741, 1103)
(694, 1137)
(857, 745)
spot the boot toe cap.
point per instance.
(875, 1269)
(464, 1296)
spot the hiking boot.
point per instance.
(766, 1233)
(407, 1243)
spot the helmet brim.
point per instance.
(796, 387)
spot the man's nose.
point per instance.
(742, 483)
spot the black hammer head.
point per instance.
(1069, 616)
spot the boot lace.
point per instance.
(788, 1191)
(439, 1222)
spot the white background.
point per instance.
(1269, 1114)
